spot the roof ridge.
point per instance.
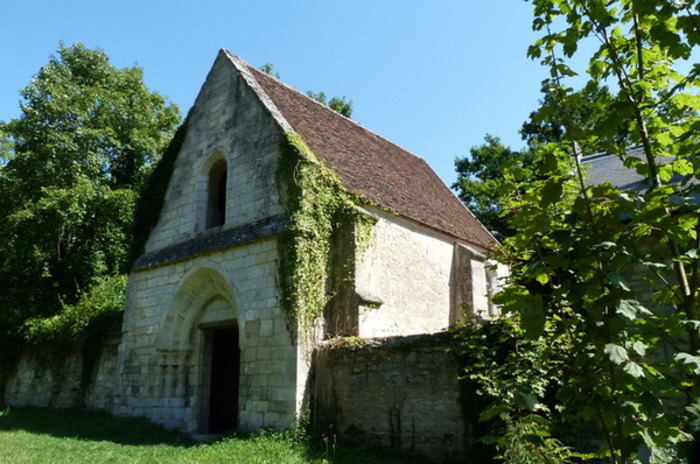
(244, 68)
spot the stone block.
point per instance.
(252, 329)
(273, 419)
(266, 327)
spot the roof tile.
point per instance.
(372, 166)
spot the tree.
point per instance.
(81, 116)
(599, 354)
(269, 69)
(5, 150)
(86, 137)
(337, 104)
(548, 124)
(480, 180)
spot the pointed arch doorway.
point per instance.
(203, 322)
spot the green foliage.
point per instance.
(58, 243)
(269, 68)
(572, 258)
(528, 441)
(38, 436)
(152, 195)
(347, 343)
(605, 281)
(101, 306)
(86, 138)
(5, 150)
(549, 123)
(518, 374)
(338, 104)
(480, 179)
(81, 116)
(317, 206)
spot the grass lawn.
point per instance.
(50, 436)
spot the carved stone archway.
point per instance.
(202, 309)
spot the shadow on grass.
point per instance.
(86, 425)
(93, 426)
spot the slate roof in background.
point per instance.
(603, 167)
(366, 163)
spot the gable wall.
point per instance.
(175, 302)
(227, 120)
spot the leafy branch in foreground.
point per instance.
(610, 275)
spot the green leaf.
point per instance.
(493, 410)
(629, 309)
(690, 324)
(532, 316)
(526, 399)
(542, 276)
(639, 347)
(551, 192)
(605, 245)
(683, 167)
(688, 361)
(616, 353)
(634, 369)
(618, 281)
(549, 162)
(666, 172)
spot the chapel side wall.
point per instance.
(409, 268)
(226, 120)
(162, 384)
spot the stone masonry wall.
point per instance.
(227, 122)
(399, 393)
(163, 359)
(162, 362)
(409, 269)
(47, 377)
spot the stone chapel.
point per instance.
(209, 341)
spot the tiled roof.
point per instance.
(368, 164)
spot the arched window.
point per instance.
(216, 201)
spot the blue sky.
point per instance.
(433, 77)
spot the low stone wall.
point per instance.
(70, 378)
(399, 393)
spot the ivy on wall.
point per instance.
(317, 206)
(152, 195)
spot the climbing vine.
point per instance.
(316, 206)
(152, 196)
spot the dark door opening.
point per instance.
(225, 366)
